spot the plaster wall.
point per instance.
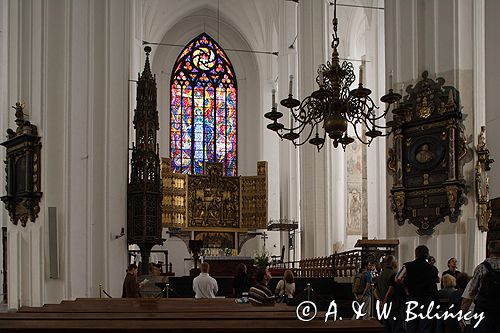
(68, 62)
(439, 36)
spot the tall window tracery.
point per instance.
(203, 113)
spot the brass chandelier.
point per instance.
(333, 107)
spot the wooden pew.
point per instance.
(170, 315)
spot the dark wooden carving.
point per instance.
(22, 170)
(482, 181)
(4, 263)
(220, 240)
(494, 222)
(144, 194)
(428, 154)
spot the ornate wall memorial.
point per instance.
(22, 170)
(428, 154)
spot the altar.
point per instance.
(220, 213)
(226, 265)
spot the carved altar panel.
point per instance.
(213, 201)
(428, 154)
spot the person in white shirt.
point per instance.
(286, 287)
(204, 285)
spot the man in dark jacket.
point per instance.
(419, 280)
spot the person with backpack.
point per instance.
(361, 288)
(286, 288)
(383, 280)
(395, 296)
(484, 290)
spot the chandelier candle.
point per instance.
(321, 77)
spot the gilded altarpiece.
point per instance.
(174, 201)
(428, 154)
(213, 204)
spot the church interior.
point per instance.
(310, 135)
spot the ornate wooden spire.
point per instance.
(144, 188)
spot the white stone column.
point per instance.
(284, 146)
(487, 79)
(4, 103)
(313, 46)
(375, 153)
(23, 56)
(116, 149)
(73, 79)
(437, 36)
(287, 65)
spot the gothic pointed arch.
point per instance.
(203, 108)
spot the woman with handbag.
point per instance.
(286, 288)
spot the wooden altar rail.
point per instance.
(344, 265)
(315, 267)
(318, 267)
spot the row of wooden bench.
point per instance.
(170, 315)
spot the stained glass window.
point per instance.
(203, 108)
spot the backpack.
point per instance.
(359, 283)
(284, 298)
(489, 292)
